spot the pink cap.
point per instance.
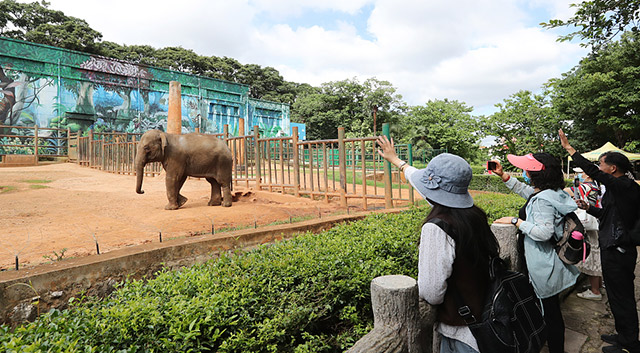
(526, 162)
(577, 235)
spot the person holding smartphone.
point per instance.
(539, 221)
(618, 255)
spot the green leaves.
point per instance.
(601, 96)
(599, 22)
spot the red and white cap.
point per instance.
(526, 162)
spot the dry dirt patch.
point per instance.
(48, 209)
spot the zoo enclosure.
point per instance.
(343, 168)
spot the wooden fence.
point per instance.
(33, 141)
(343, 169)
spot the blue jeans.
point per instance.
(450, 345)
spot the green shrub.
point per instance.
(308, 294)
(493, 183)
(478, 169)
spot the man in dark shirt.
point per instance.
(618, 217)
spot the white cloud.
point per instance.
(476, 51)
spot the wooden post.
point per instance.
(388, 192)
(342, 166)
(225, 132)
(35, 139)
(256, 136)
(69, 143)
(296, 162)
(241, 147)
(174, 118)
(91, 152)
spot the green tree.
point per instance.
(602, 96)
(443, 124)
(598, 22)
(524, 123)
(37, 23)
(349, 104)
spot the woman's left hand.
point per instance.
(503, 220)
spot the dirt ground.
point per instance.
(62, 210)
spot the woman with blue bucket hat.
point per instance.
(460, 259)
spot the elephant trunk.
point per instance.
(139, 174)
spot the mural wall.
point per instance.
(53, 87)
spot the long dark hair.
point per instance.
(474, 238)
(551, 177)
(619, 160)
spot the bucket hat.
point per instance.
(445, 181)
(526, 162)
(578, 170)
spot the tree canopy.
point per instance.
(598, 22)
(524, 123)
(602, 95)
(350, 104)
(443, 124)
(36, 23)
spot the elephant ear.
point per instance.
(163, 138)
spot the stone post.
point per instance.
(398, 322)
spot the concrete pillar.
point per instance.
(174, 119)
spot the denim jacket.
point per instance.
(545, 212)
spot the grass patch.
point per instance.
(6, 188)
(37, 186)
(37, 181)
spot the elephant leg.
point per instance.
(173, 185)
(226, 195)
(216, 196)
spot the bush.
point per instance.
(308, 294)
(493, 183)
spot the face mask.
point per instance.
(526, 177)
(581, 178)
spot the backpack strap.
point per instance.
(463, 310)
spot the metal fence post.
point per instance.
(388, 196)
(410, 162)
(342, 165)
(296, 162)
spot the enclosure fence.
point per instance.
(345, 169)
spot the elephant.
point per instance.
(195, 155)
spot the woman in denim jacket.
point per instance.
(540, 220)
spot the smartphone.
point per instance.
(491, 165)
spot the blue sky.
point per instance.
(475, 51)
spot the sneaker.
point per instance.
(589, 295)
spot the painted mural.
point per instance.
(52, 87)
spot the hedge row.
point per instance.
(493, 183)
(308, 294)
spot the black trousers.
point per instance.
(618, 274)
(555, 324)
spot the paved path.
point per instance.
(586, 320)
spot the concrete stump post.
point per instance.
(508, 240)
(174, 118)
(397, 318)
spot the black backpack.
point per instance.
(512, 319)
(569, 250)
